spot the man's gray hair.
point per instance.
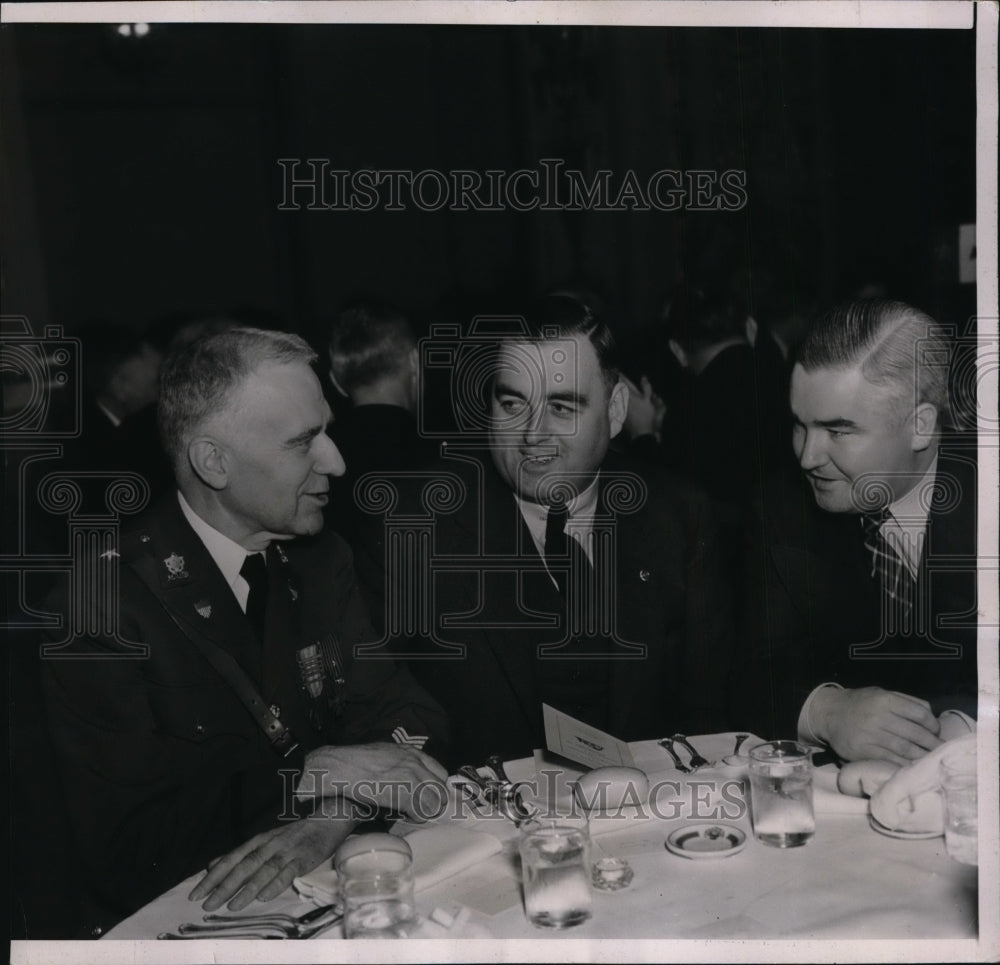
(198, 380)
(893, 343)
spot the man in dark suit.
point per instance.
(548, 573)
(862, 595)
(209, 714)
(374, 364)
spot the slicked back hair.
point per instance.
(568, 316)
(370, 340)
(893, 343)
(199, 379)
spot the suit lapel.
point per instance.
(191, 587)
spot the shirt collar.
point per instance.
(906, 526)
(227, 554)
(581, 509)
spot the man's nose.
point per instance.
(536, 427)
(811, 451)
(329, 461)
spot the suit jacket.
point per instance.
(814, 612)
(492, 604)
(163, 766)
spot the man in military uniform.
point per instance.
(209, 717)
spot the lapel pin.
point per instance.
(204, 608)
(175, 567)
(644, 575)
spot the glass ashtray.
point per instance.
(611, 874)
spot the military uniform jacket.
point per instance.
(162, 767)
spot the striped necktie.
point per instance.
(888, 569)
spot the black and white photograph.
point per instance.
(501, 481)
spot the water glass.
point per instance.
(375, 876)
(961, 821)
(781, 788)
(555, 870)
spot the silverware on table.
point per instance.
(668, 745)
(305, 919)
(696, 759)
(259, 926)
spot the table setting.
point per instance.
(712, 836)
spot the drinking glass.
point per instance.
(961, 820)
(781, 787)
(375, 875)
(555, 869)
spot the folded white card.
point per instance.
(582, 743)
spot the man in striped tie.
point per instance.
(875, 595)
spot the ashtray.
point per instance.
(706, 841)
(611, 874)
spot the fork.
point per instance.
(240, 927)
(668, 745)
(696, 759)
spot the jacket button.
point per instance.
(644, 575)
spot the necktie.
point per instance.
(887, 567)
(254, 571)
(564, 556)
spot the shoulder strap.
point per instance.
(279, 736)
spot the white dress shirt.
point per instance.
(228, 555)
(580, 510)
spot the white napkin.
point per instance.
(909, 800)
(438, 853)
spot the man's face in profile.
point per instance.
(552, 415)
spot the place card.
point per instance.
(571, 738)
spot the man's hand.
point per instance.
(392, 776)
(875, 724)
(265, 866)
(645, 410)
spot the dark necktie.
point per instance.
(254, 571)
(888, 568)
(564, 556)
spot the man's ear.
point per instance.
(925, 425)
(618, 407)
(210, 462)
(678, 351)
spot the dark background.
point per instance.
(143, 176)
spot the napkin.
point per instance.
(438, 853)
(909, 800)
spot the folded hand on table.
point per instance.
(870, 723)
(393, 776)
(263, 867)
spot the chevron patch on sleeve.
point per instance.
(400, 736)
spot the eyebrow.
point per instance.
(829, 423)
(304, 437)
(500, 388)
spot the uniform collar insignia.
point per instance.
(110, 555)
(281, 553)
(175, 567)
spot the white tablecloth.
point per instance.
(848, 882)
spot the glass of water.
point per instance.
(555, 869)
(375, 876)
(781, 790)
(961, 820)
